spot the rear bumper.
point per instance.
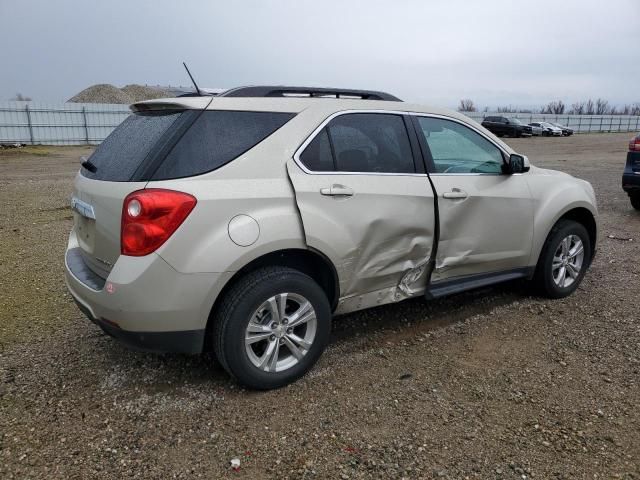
(631, 182)
(182, 341)
(147, 304)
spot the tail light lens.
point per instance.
(634, 144)
(149, 218)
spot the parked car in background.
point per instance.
(505, 126)
(631, 175)
(242, 223)
(536, 129)
(566, 131)
(548, 130)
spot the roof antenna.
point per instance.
(192, 80)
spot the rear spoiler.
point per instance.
(183, 103)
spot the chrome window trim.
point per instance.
(318, 129)
(474, 129)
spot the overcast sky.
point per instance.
(495, 52)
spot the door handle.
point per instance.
(336, 190)
(455, 193)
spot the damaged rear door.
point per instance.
(366, 202)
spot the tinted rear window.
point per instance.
(121, 153)
(317, 156)
(215, 139)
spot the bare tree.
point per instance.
(466, 105)
(589, 108)
(577, 108)
(556, 107)
(508, 109)
(602, 107)
(21, 98)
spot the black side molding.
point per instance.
(469, 282)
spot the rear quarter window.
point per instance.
(119, 156)
(215, 139)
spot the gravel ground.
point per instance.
(489, 384)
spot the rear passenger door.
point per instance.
(365, 200)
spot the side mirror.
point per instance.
(518, 163)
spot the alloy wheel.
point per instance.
(567, 261)
(280, 332)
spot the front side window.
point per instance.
(361, 142)
(458, 149)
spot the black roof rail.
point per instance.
(283, 91)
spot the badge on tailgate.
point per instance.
(83, 208)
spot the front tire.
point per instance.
(635, 200)
(271, 327)
(564, 259)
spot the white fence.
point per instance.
(61, 124)
(90, 123)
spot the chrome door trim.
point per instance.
(318, 129)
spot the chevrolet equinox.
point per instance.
(243, 222)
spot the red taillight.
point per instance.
(634, 144)
(149, 218)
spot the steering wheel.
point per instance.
(478, 168)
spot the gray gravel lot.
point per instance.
(488, 384)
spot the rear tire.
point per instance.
(564, 259)
(635, 200)
(271, 327)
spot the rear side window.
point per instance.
(121, 153)
(361, 142)
(215, 139)
(317, 156)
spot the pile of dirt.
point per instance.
(105, 93)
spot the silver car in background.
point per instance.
(548, 130)
(536, 129)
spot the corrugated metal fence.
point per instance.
(90, 123)
(61, 124)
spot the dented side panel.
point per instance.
(380, 237)
(490, 230)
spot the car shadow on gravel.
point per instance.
(163, 373)
(418, 315)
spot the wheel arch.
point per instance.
(581, 213)
(309, 261)
(584, 217)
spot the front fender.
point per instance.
(554, 197)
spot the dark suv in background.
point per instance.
(504, 126)
(631, 175)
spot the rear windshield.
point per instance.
(118, 157)
(216, 138)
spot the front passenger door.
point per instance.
(486, 216)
